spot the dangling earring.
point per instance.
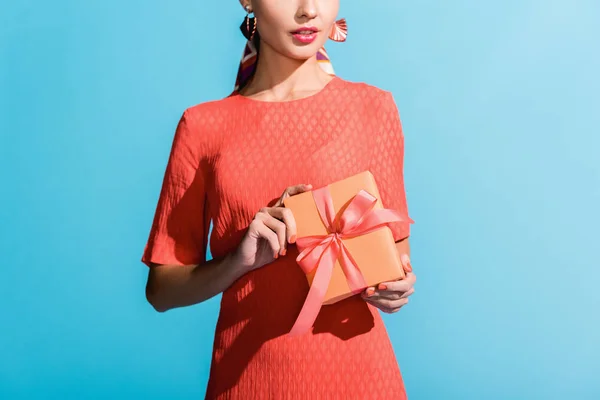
(339, 30)
(250, 35)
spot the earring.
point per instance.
(339, 30)
(248, 34)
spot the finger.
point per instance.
(387, 310)
(385, 295)
(297, 189)
(391, 295)
(388, 306)
(406, 265)
(406, 294)
(292, 190)
(265, 232)
(276, 226)
(368, 292)
(286, 215)
(401, 285)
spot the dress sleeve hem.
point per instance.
(161, 252)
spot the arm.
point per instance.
(175, 252)
(387, 164)
(403, 246)
(179, 274)
(172, 286)
(176, 285)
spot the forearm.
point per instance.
(403, 246)
(172, 286)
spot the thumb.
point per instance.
(405, 259)
(292, 190)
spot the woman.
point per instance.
(289, 124)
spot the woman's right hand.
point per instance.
(269, 233)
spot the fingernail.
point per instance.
(308, 185)
(382, 286)
(293, 239)
(276, 255)
(370, 291)
(283, 251)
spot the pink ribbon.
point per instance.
(322, 251)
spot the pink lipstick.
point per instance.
(306, 34)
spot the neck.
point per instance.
(278, 77)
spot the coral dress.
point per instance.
(231, 157)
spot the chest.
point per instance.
(268, 151)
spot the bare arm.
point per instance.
(403, 246)
(172, 286)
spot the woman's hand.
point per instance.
(390, 297)
(268, 234)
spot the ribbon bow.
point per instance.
(322, 251)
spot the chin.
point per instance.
(303, 55)
(303, 52)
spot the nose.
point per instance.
(307, 9)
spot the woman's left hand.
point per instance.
(391, 296)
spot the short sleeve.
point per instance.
(387, 164)
(179, 232)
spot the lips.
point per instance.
(307, 30)
(305, 34)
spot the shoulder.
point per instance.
(376, 104)
(370, 96)
(209, 113)
(364, 90)
(206, 118)
(201, 125)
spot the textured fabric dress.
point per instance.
(231, 157)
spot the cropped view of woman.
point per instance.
(291, 125)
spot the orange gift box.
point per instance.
(375, 253)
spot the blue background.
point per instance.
(500, 107)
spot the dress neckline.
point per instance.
(313, 96)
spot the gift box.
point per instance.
(344, 242)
